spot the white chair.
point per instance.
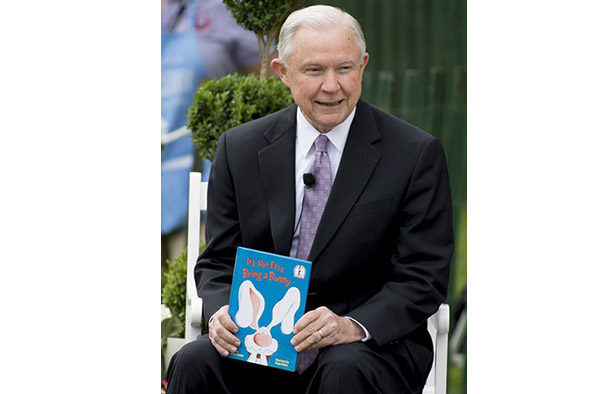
(197, 203)
(193, 306)
(438, 324)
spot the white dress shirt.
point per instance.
(306, 135)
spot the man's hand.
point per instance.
(220, 332)
(321, 327)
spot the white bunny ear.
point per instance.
(251, 304)
(285, 309)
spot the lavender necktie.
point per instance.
(315, 198)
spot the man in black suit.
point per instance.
(383, 245)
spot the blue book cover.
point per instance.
(268, 297)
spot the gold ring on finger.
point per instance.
(321, 334)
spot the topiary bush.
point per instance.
(221, 104)
(264, 18)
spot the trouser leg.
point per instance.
(365, 368)
(199, 368)
(351, 368)
(193, 369)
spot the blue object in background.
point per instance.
(182, 69)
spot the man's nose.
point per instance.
(330, 83)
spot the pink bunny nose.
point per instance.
(262, 339)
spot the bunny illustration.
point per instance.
(261, 345)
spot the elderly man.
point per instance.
(381, 251)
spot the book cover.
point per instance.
(268, 297)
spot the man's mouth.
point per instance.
(329, 103)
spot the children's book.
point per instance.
(268, 297)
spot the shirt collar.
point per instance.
(306, 133)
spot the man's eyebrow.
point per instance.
(311, 65)
(342, 63)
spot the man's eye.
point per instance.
(313, 70)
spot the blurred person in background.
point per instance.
(200, 40)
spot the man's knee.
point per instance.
(343, 366)
(361, 368)
(352, 354)
(193, 359)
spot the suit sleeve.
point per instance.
(418, 280)
(214, 267)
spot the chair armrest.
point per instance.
(443, 319)
(196, 312)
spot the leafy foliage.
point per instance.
(221, 104)
(170, 327)
(263, 16)
(173, 294)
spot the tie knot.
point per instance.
(321, 143)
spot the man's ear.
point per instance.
(365, 60)
(281, 70)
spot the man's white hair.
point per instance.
(318, 17)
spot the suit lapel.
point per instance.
(359, 160)
(277, 166)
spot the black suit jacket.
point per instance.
(382, 251)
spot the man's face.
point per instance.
(324, 73)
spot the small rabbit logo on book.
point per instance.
(299, 271)
(261, 345)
